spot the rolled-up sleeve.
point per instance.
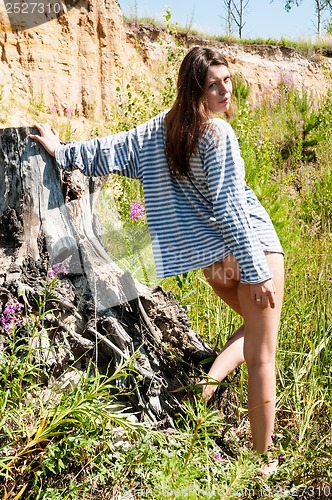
(224, 169)
(117, 153)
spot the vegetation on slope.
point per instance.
(75, 444)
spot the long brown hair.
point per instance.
(189, 115)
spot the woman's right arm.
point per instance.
(48, 138)
(117, 153)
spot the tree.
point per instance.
(103, 314)
(320, 7)
(229, 18)
(235, 10)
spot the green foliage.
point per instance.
(241, 89)
(47, 430)
(305, 46)
(37, 98)
(316, 206)
(66, 445)
(325, 115)
(328, 28)
(302, 125)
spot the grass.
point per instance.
(78, 443)
(306, 46)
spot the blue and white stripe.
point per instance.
(193, 221)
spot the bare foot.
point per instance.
(268, 468)
(204, 389)
(207, 388)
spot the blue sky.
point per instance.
(264, 19)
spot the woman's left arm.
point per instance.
(264, 293)
(224, 168)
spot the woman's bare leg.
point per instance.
(260, 342)
(232, 354)
(230, 357)
(255, 342)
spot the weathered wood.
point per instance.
(104, 314)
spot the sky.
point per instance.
(264, 19)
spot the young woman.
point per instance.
(201, 214)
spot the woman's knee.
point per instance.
(256, 360)
(260, 346)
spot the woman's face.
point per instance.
(218, 89)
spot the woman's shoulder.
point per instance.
(158, 119)
(216, 131)
(153, 124)
(220, 125)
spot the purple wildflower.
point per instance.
(281, 458)
(53, 109)
(218, 457)
(136, 211)
(287, 80)
(9, 316)
(56, 270)
(68, 111)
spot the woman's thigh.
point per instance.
(223, 276)
(223, 273)
(262, 324)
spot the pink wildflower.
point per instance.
(68, 111)
(56, 270)
(287, 80)
(9, 316)
(136, 211)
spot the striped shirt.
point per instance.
(193, 221)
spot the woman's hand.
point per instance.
(48, 138)
(264, 293)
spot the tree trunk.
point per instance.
(103, 314)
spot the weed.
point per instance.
(65, 445)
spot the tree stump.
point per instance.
(103, 315)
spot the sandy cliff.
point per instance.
(74, 61)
